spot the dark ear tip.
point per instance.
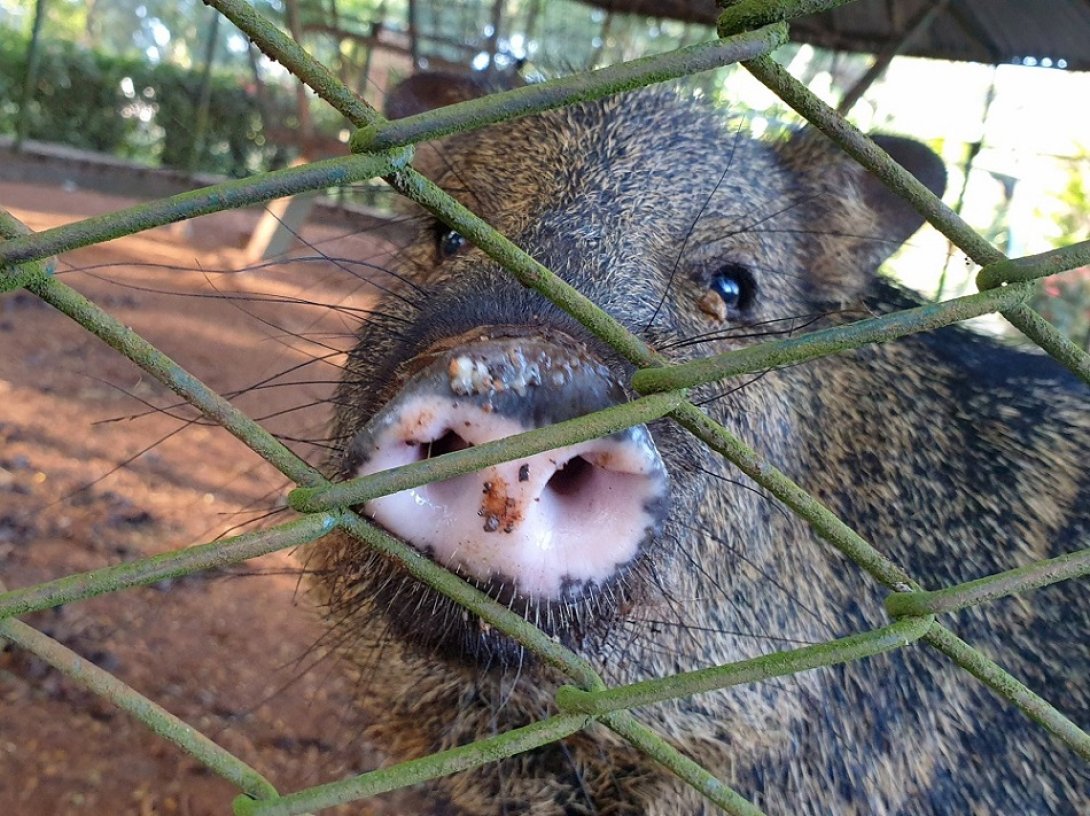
(430, 89)
(436, 89)
(916, 157)
(897, 219)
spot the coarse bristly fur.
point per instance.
(955, 456)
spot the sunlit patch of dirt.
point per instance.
(90, 477)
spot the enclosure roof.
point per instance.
(988, 31)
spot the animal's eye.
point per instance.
(451, 242)
(731, 289)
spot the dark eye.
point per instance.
(731, 289)
(451, 243)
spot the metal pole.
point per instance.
(885, 57)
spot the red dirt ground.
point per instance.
(89, 477)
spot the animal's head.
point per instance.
(695, 237)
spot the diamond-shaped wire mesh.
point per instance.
(749, 31)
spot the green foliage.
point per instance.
(1064, 300)
(1074, 222)
(125, 106)
(135, 93)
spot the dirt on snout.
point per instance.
(100, 464)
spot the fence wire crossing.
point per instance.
(748, 31)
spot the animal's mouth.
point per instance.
(543, 529)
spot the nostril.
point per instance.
(572, 478)
(540, 526)
(447, 443)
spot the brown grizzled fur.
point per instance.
(955, 456)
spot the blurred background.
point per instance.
(166, 83)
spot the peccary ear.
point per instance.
(897, 220)
(856, 221)
(434, 89)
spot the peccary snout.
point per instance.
(545, 526)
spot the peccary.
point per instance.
(953, 454)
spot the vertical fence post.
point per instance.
(30, 77)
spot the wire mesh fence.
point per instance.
(748, 31)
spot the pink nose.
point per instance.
(546, 525)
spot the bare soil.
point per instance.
(99, 465)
